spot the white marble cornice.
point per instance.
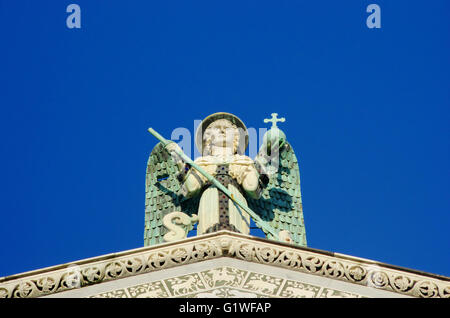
(138, 261)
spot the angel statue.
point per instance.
(224, 189)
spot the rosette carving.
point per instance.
(289, 259)
(356, 273)
(402, 283)
(379, 279)
(114, 270)
(266, 254)
(203, 251)
(313, 264)
(24, 290)
(157, 260)
(242, 251)
(445, 292)
(427, 289)
(92, 274)
(46, 284)
(134, 265)
(4, 293)
(71, 279)
(180, 255)
(333, 269)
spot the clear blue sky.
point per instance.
(367, 110)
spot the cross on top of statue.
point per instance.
(274, 120)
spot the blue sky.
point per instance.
(367, 113)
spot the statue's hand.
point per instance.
(264, 179)
(173, 148)
(183, 172)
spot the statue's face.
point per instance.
(220, 133)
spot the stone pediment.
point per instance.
(225, 264)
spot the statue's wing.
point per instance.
(161, 195)
(281, 204)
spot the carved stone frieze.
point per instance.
(226, 281)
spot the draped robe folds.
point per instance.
(212, 214)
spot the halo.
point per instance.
(217, 116)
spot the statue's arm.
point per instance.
(192, 184)
(188, 177)
(253, 183)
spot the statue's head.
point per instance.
(222, 130)
(221, 133)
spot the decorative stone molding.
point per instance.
(225, 282)
(224, 244)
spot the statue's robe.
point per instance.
(216, 211)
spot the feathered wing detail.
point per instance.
(161, 195)
(281, 203)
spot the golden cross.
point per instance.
(274, 120)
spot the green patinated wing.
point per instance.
(161, 195)
(281, 203)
